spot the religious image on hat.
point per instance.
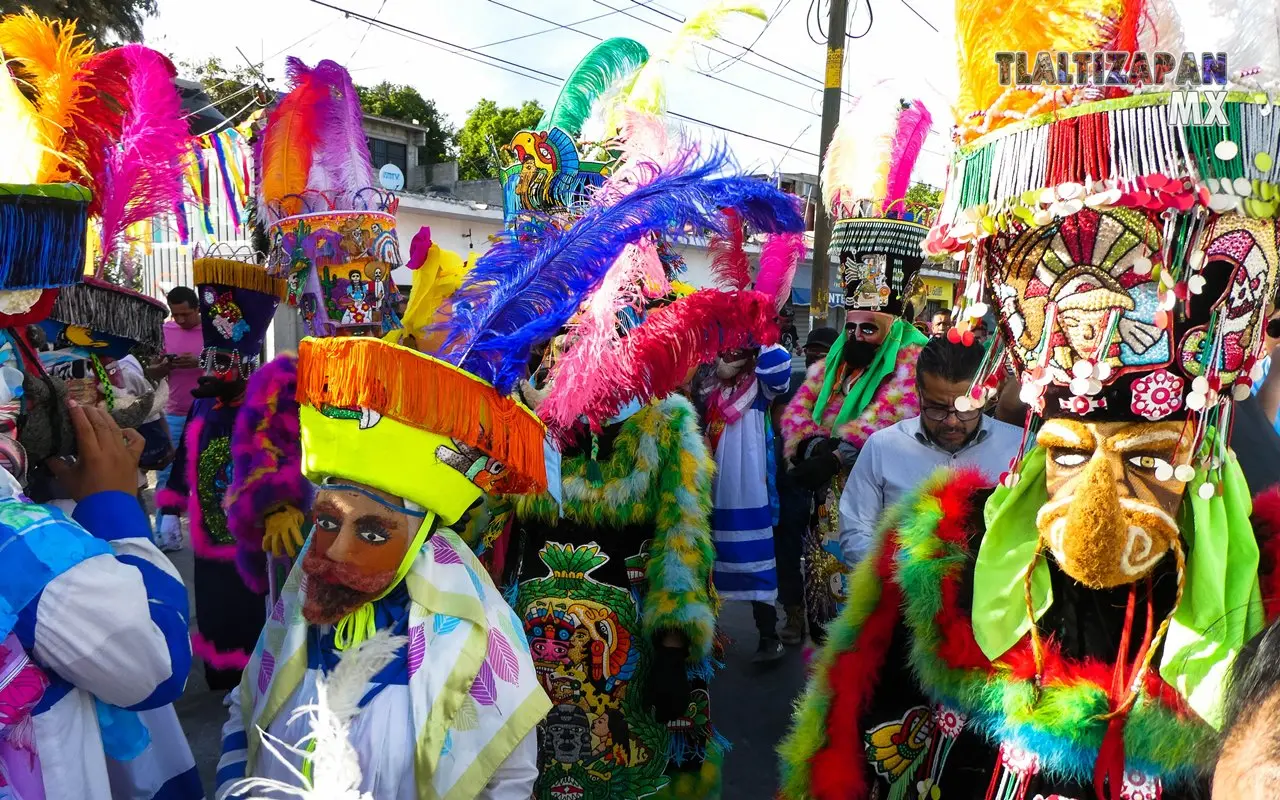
(332, 230)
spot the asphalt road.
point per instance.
(750, 704)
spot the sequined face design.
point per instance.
(1114, 494)
(359, 541)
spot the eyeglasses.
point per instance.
(866, 328)
(1273, 328)
(940, 413)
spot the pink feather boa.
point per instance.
(203, 649)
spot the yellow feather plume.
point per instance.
(646, 91)
(985, 27)
(434, 282)
(51, 57)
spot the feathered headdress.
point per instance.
(870, 159)
(598, 71)
(528, 285)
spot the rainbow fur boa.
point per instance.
(895, 400)
(659, 474)
(913, 579)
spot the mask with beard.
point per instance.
(335, 589)
(858, 354)
(1113, 497)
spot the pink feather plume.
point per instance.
(142, 176)
(342, 154)
(779, 258)
(644, 150)
(730, 265)
(657, 357)
(913, 128)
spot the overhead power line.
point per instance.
(921, 16)
(506, 66)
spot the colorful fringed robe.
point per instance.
(901, 661)
(630, 559)
(826, 576)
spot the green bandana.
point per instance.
(864, 388)
(1221, 604)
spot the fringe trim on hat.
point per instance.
(418, 390)
(240, 274)
(113, 310)
(42, 237)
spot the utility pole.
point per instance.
(820, 285)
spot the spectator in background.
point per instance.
(1267, 387)
(180, 364)
(795, 503)
(940, 324)
(897, 458)
(1248, 765)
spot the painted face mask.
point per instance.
(1114, 493)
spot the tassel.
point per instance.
(239, 274)
(42, 235)
(112, 310)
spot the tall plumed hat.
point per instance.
(332, 231)
(238, 300)
(875, 237)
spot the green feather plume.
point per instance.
(606, 64)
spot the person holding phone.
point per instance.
(180, 364)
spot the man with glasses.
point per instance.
(897, 458)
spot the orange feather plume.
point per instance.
(289, 142)
(49, 57)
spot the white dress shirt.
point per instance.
(896, 459)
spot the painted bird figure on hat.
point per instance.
(1064, 636)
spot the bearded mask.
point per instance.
(1114, 493)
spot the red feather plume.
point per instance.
(730, 265)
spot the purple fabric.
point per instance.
(266, 455)
(22, 684)
(235, 319)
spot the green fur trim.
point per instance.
(1061, 726)
(659, 474)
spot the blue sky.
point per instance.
(899, 48)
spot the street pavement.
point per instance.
(750, 704)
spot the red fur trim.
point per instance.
(1266, 529)
(957, 645)
(839, 768)
(218, 659)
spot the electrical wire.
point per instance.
(547, 30)
(416, 36)
(365, 35)
(871, 20)
(716, 78)
(918, 14)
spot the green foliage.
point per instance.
(111, 22)
(406, 104)
(228, 89)
(924, 194)
(490, 126)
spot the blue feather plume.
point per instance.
(528, 285)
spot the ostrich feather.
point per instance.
(644, 149)
(986, 27)
(336, 773)
(592, 353)
(142, 176)
(1248, 31)
(914, 122)
(646, 90)
(289, 142)
(1160, 28)
(779, 258)
(658, 356)
(856, 170)
(50, 57)
(97, 126)
(342, 152)
(730, 265)
(598, 71)
(21, 134)
(531, 282)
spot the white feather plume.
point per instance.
(335, 765)
(856, 166)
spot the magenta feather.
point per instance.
(779, 258)
(592, 358)
(913, 128)
(142, 175)
(730, 265)
(342, 153)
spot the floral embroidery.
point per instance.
(1157, 395)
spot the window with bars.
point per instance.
(383, 152)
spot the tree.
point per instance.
(404, 103)
(924, 194)
(104, 22)
(227, 89)
(489, 126)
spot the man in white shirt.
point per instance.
(897, 458)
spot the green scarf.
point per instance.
(864, 388)
(1221, 604)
